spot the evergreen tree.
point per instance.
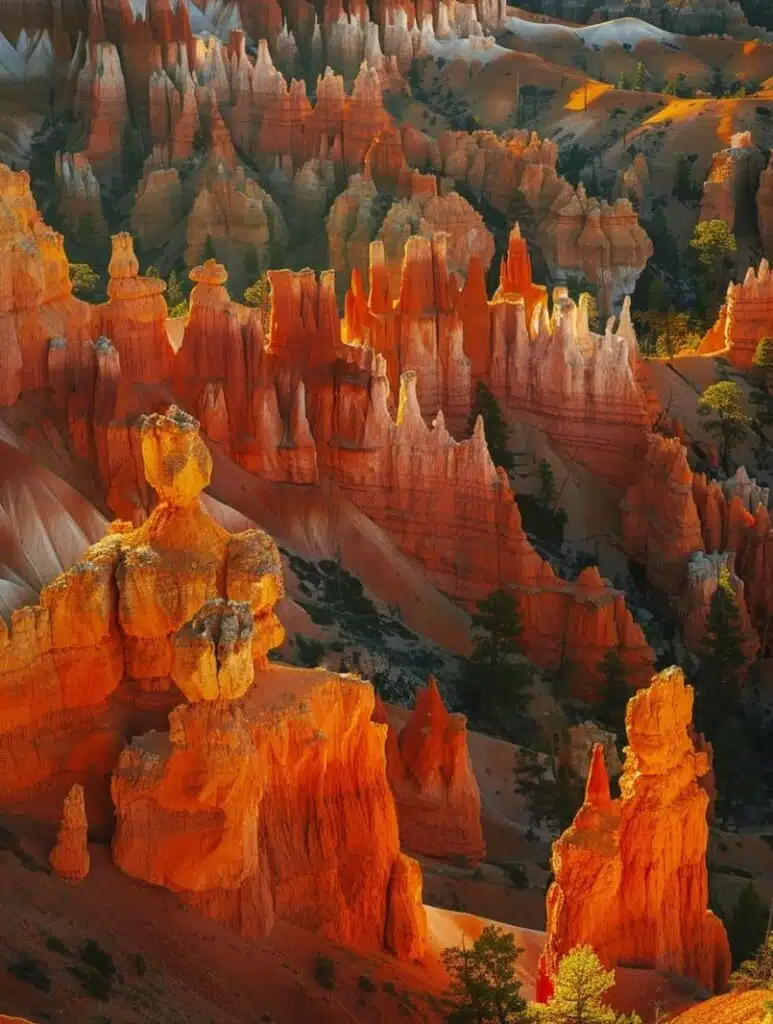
(615, 690)
(721, 406)
(713, 243)
(579, 989)
(640, 77)
(484, 985)
(259, 296)
(763, 359)
(497, 431)
(718, 708)
(554, 792)
(209, 250)
(497, 680)
(176, 299)
(684, 188)
(672, 331)
(251, 263)
(747, 925)
(755, 973)
(85, 280)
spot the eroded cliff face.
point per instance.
(306, 398)
(435, 789)
(630, 873)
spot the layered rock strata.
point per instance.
(630, 874)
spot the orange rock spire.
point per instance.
(429, 769)
(70, 857)
(630, 874)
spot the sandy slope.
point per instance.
(45, 526)
(196, 970)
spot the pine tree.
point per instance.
(251, 263)
(497, 680)
(721, 405)
(497, 431)
(614, 689)
(747, 925)
(484, 985)
(553, 792)
(640, 77)
(722, 660)
(209, 250)
(259, 296)
(579, 989)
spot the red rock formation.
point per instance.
(226, 811)
(79, 204)
(100, 103)
(765, 209)
(660, 523)
(744, 320)
(429, 770)
(630, 874)
(94, 659)
(732, 177)
(134, 317)
(70, 857)
(440, 498)
(704, 574)
(36, 301)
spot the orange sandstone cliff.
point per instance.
(630, 874)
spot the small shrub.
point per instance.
(324, 971)
(92, 955)
(57, 946)
(517, 875)
(389, 986)
(366, 983)
(93, 982)
(140, 965)
(30, 971)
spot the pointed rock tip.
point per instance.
(597, 786)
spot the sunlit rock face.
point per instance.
(630, 874)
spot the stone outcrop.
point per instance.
(94, 660)
(242, 221)
(704, 574)
(630, 874)
(730, 186)
(134, 316)
(36, 300)
(100, 104)
(268, 797)
(581, 388)
(435, 789)
(440, 498)
(744, 320)
(79, 198)
(660, 524)
(70, 856)
(765, 209)
(578, 236)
